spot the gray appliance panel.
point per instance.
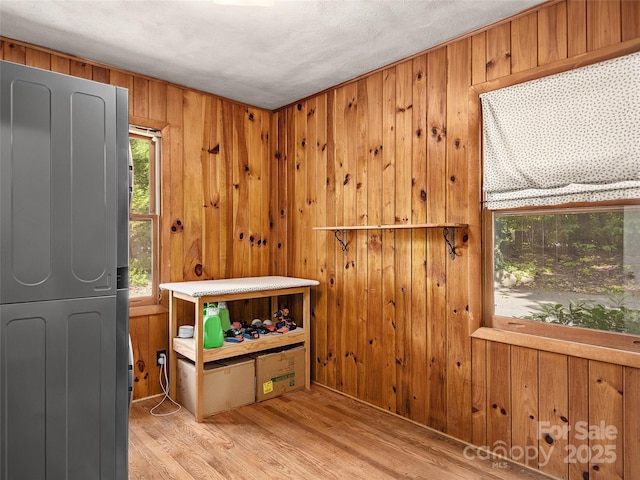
(124, 382)
(58, 186)
(57, 401)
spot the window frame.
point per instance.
(598, 345)
(155, 138)
(599, 338)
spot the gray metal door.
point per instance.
(63, 300)
(57, 186)
(57, 366)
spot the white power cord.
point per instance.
(162, 360)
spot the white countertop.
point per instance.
(226, 286)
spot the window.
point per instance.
(561, 185)
(143, 218)
(576, 267)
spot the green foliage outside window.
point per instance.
(140, 152)
(140, 229)
(576, 268)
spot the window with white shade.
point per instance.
(561, 186)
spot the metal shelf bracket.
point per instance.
(450, 239)
(339, 234)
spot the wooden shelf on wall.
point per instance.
(448, 231)
(394, 226)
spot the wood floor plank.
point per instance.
(314, 434)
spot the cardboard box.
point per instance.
(279, 372)
(227, 384)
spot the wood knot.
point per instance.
(177, 226)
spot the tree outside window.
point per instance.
(578, 268)
(143, 249)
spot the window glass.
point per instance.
(141, 258)
(143, 263)
(140, 148)
(577, 267)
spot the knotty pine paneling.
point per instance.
(498, 61)
(576, 27)
(524, 392)
(403, 317)
(38, 59)
(631, 431)
(460, 208)
(402, 146)
(553, 407)
(578, 411)
(373, 340)
(387, 149)
(630, 14)
(524, 41)
(603, 24)
(569, 417)
(552, 33)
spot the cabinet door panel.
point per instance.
(57, 395)
(57, 186)
(31, 164)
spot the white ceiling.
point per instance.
(267, 56)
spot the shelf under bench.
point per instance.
(206, 291)
(187, 346)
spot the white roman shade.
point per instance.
(570, 137)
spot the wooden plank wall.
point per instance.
(566, 416)
(218, 214)
(393, 314)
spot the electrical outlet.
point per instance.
(158, 353)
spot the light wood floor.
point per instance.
(316, 434)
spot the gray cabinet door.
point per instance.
(57, 186)
(58, 401)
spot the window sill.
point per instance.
(601, 353)
(147, 310)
